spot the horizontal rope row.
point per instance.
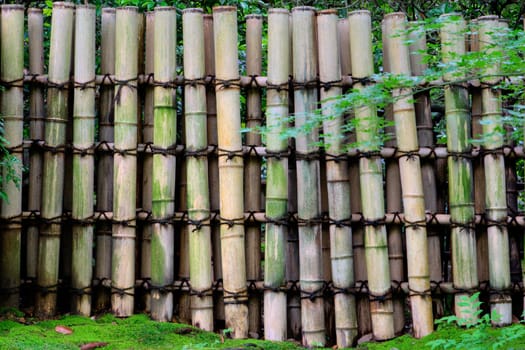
(259, 217)
(261, 151)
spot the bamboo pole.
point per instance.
(53, 176)
(83, 164)
(463, 240)
(411, 181)
(252, 171)
(371, 178)
(308, 186)
(425, 135)
(213, 165)
(12, 109)
(231, 169)
(184, 300)
(494, 163)
(105, 160)
(125, 163)
(35, 24)
(277, 176)
(198, 196)
(164, 136)
(338, 184)
(147, 159)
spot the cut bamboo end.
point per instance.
(278, 10)
(34, 10)
(303, 9)
(63, 5)
(224, 9)
(193, 10)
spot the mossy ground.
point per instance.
(139, 332)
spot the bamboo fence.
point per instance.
(168, 207)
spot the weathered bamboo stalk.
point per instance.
(371, 178)
(277, 176)
(308, 186)
(147, 159)
(494, 163)
(53, 176)
(184, 299)
(231, 170)
(338, 184)
(105, 160)
(12, 110)
(125, 162)
(83, 164)
(252, 171)
(463, 239)
(164, 136)
(411, 180)
(35, 24)
(198, 196)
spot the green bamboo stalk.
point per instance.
(35, 25)
(164, 136)
(371, 177)
(125, 164)
(53, 175)
(105, 160)
(252, 171)
(83, 164)
(11, 108)
(338, 184)
(277, 176)
(411, 179)
(496, 198)
(463, 239)
(230, 171)
(197, 171)
(308, 188)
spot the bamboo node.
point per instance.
(229, 154)
(231, 222)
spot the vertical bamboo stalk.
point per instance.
(308, 185)
(231, 169)
(494, 163)
(125, 162)
(371, 177)
(463, 239)
(338, 184)
(105, 159)
(35, 24)
(213, 165)
(83, 163)
(53, 176)
(12, 109)
(164, 137)
(252, 186)
(411, 180)
(184, 299)
(198, 196)
(277, 176)
(147, 159)
(394, 203)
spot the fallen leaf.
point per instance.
(95, 345)
(63, 330)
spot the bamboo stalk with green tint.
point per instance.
(371, 177)
(53, 173)
(164, 136)
(308, 178)
(494, 164)
(411, 179)
(461, 206)
(83, 164)
(277, 176)
(12, 110)
(231, 170)
(125, 162)
(198, 194)
(35, 25)
(338, 185)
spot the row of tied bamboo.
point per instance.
(106, 174)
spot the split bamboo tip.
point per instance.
(278, 10)
(108, 10)
(359, 12)
(62, 4)
(327, 12)
(394, 15)
(164, 8)
(253, 16)
(194, 10)
(225, 9)
(34, 10)
(12, 7)
(488, 18)
(303, 8)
